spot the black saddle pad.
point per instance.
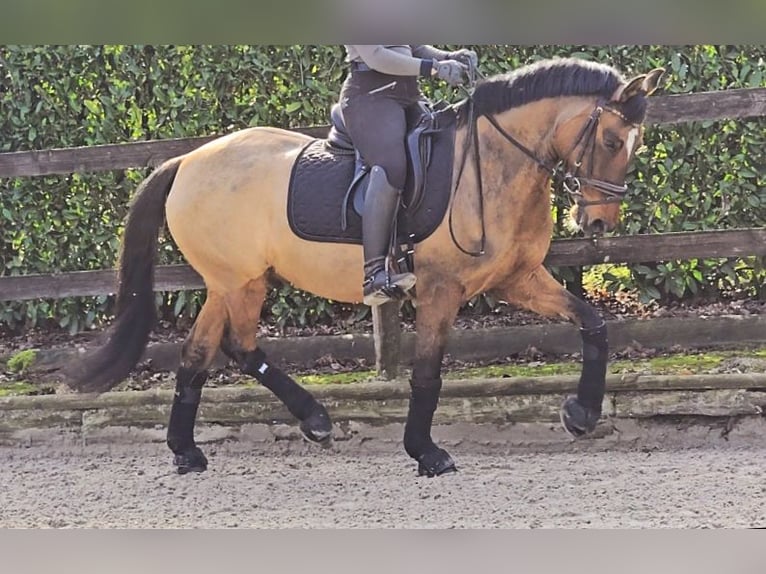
(321, 177)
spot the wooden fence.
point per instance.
(726, 104)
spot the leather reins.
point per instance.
(562, 177)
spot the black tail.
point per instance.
(136, 312)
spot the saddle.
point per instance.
(422, 122)
(329, 180)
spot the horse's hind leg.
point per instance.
(197, 354)
(244, 310)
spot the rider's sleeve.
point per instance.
(388, 60)
(429, 52)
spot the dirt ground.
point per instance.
(126, 484)
(252, 485)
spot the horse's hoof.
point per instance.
(190, 461)
(317, 427)
(435, 462)
(576, 419)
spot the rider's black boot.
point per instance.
(380, 286)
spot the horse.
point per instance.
(556, 126)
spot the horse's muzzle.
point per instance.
(596, 227)
(589, 226)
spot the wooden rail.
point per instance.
(570, 252)
(109, 156)
(740, 103)
(678, 108)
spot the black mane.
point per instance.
(551, 79)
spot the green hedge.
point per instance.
(701, 175)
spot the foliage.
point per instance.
(69, 96)
(22, 360)
(693, 176)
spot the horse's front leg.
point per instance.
(540, 292)
(438, 304)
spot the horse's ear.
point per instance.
(626, 91)
(644, 84)
(652, 80)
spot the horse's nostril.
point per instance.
(597, 226)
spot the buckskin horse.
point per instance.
(561, 126)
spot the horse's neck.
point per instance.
(532, 125)
(515, 191)
(509, 175)
(515, 206)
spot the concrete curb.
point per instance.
(367, 409)
(255, 413)
(480, 344)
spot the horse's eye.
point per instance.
(612, 144)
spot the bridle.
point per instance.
(570, 181)
(563, 178)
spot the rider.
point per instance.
(382, 83)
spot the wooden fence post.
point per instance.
(387, 335)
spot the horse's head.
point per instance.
(596, 143)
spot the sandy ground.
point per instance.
(252, 485)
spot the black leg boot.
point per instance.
(380, 203)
